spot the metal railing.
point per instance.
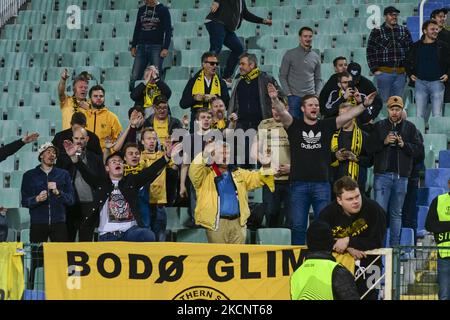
(8, 9)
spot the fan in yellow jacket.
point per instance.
(222, 193)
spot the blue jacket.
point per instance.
(53, 210)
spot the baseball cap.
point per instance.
(437, 11)
(395, 101)
(44, 147)
(390, 9)
(355, 70)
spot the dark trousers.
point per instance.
(79, 219)
(273, 211)
(409, 211)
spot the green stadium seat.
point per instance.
(126, 4)
(51, 87)
(341, 11)
(64, 4)
(286, 13)
(36, 99)
(31, 46)
(15, 181)
(88, 45)
(185, 4)
(12, 235)
(262, 12)
(74, 59)
(8, 99)
(100, 31)
(39, 279)
(118, 73)
(295, 25)
(203, 4)
(178, 73)
(359, 25)
(21, 113)
(8, 165)
(73, 34)
(18, 218)
(43, 31)
(42, 126)
(270, 69)
(125, 101)
(17, 59)
(57, 18)
(349, 41)
(124, 29)
(273, 56)
(44, 60)
(407, 9)
(115, 86)
(176, 15)
(8, 74)
(125, 59)
(43, 5)
(322, 42)
(7, 46)
(186, 29)
(96, 72)
(132, 15)
(440, 125)
(273, 236)
(15, 32)
(326, 69)
(60, 46)
(99, 5)
(176, 85)
(25, 238)
(359, 56)
(264, 3)
(313, 12)
(197, 235)
(287, 42)
(246, 30)
(261, 42)
(419, 123)
(54, 74)
(89, 17)
(446, 109)
(330, 26)
(56, 126)
(331, 53)
(255, 196)
(102, 59)
(435, 142)
(110, 99)
(20, 86)
(28, 160)
(30, 17)
(11, 197)
(197, 15)
(180, 43)
(278, 28)
(191, 58)
(116, 44)
(113, 16)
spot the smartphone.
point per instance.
(351, 85)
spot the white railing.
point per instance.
(422, 5)
(8, 9)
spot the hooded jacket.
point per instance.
(103, 123)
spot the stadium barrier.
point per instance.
(8, 9)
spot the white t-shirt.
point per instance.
(116, 214)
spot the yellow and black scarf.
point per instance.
(132, 170)
(76, 106)
(150, 93)
(251, 75)
(350, 100)
(357, 138)
(199, 87)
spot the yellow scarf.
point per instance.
(133, 170)
(199, 87)
(150, 93)
(353, 167)
(251, 75)
(219, 124)
(350, 100)
(76, 106)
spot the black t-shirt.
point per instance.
(310, 149)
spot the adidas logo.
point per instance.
(310, 137)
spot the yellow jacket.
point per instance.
(103, 123)
(207, 209)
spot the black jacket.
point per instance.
(174, 123)
(343, 282)
(228, 14)
(443, 53)
(129, 186)
(405, 155)
(266, 103)
(10, 149)
(94, 163)
(137, 95)
(330, 100)
(433, 224)
(92, 145)
(366, 229)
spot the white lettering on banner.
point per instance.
(73, 281)
(374, 20)
(74, 19)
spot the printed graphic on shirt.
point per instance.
(311, 140)
(355, 229)
(149, 22)
(118, 208)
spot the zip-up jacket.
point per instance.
(129, 186)
(52, 210)
(138, 93)
(433, 224)
(204, 180)
(231, 13)
(266, 103)
(10, 149)
(103, 123)
(443, 53)
(405, 155)
(93, 143)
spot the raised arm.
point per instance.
(285, 116)
(355, 111)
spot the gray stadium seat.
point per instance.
(8, 74)
(273, 236)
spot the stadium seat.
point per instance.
(197, 235)
(419, 122)
(330, 54)
(262, 42)
(100, 31)
(444, 159)
(312, 12)
(25, 238)
(28, 160)
(116, 44)
(179, 43)
(43, 31)
(18, 218)
(16, 32)
(11, 198)
(322, 42)
(59, 46)
(286, 42)
(31, 46)
(246, 30)
(127, 4)
(102, 59)
(178, 73)
(54, 74)
(94, 71)
(186, 29)
(118, 73)
(255, 196)
(20, 113)
(286, 13)
(17, 59)
(330, 26)
(30, 17)
(273, 56)
(35, 74)
(7, 165)
(198, 15)
(263, 3)
(446, 109)
(43, 5)
(15, 180)
(51, 113)
(44, 60)
(191, 58)
(88, 45)
(20, 86)
(278, 28)
(64, 4)
(277, 236)
(295, 25)
(426, 195)
(12, 235)
(42, 126)
(125, 59)
(124, 29)
(99, 5)
(8, 74)
(359, 25)
(176, 15)
(56, 18)
(73, 34)
(39, 279)
(440, 125)
(437, 177)
(113, 16)
(349, 41)
(7, 46)
(74, 59)
(185, 4)
(435, 142)
(422, 212)
(8, 99)
(115, 86)
(125, 101)
(9, 128)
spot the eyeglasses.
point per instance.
(114, 161)
(213, 63)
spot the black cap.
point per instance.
(115, 154)
(355, 70)
(390, 9)
(319, 236)
(437, 11)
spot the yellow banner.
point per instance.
(185, 271)
(11, 271)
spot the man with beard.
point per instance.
(79, 216)
(100, 120)
(219, 120)
(309, 140)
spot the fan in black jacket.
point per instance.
(13, 147)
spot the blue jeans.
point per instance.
(429, 91)
(303, 195)
(390, 192)
(443, 269)
(144, 206)
(219, 36)
(272, 204)
(134, 234)
(294, 103)
(146, 55)
(159, 221)
(390, 84)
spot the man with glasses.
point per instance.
(386, 53)
(203, 87)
